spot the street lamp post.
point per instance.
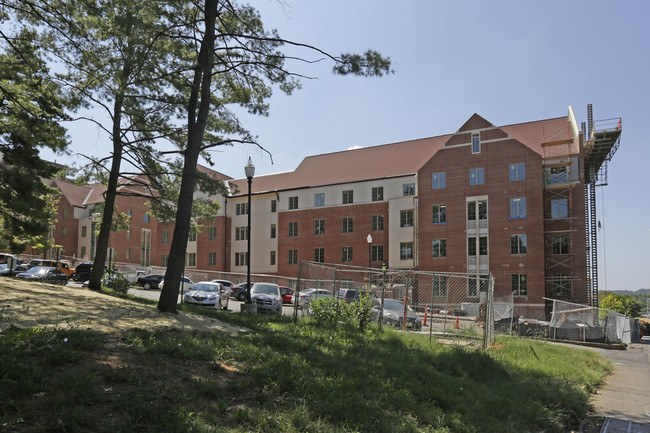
(369, 239)
(250, 172)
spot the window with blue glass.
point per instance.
(476, 143)
(476, 176)
(408, 189)
(319, 199)
(439, 180)
(559, 208)
(518, 207)
(517, 171)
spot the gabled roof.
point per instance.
(74, 194)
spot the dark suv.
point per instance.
(352, 295)
(82, 272)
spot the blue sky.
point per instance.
(508, 61)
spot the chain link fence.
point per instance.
(582, 323)
(444, 305)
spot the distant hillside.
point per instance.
(631, 292)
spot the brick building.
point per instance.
(508, 200)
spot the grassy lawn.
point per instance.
(283, 377)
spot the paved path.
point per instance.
(625, 397)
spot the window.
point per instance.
(559, 208)
(165, 236)
(293, 257)
(293, 228)
(272, 258)
(83, 252)
(517, 172)
(212, 258)
(377, 254)
(293, 202)
(439, 180)
(471, 210)
(378, 193)
(190, 259)
(560, 285)
(241, 233)
(439, 248)
(64, 231)
(472, 246)
(476, 176)
(64, 213)
(84, 231)
(519, 284)
(476, 143)
(377, 223)
(347, 255)
(406, 250)
(319, 199)
(557, 175)
(474, 285)
(518, 244)
(518, 207)
(274, 205)
(241, 209)
(319, 227)
(440, 286)
(439, 214)
(348, 224)
(241, 259)
(348, 196)
(146, 218)
(129, 213)
(164, 259)
(319, 255)
(408, 189)
(406, 218)
(145, 247)
(560, 244)
(127, 253)
(212, 233)
(272, 231)
(192, 237)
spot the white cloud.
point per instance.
(355, 147)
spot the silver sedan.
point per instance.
(208, 293)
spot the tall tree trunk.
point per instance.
(199, 99)
(101, 247)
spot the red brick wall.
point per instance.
(334, 239)
(219, 245)
(495, 159)
(71, 226)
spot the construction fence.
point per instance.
(582, 323)
(449, 305)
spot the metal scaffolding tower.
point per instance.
(601, 143)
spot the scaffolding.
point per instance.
(604, 139)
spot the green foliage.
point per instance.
(623, 304)
(332, 310)
(31, 107)
(116, 281)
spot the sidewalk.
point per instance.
(625, 396)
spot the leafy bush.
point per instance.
(332, 310)
(116, 281)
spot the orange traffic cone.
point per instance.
(457, 325)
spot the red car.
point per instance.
(287, 294)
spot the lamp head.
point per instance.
(369, 238)
(249, 169)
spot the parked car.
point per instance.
(186, 284)
(45, 274)
(394, 314)
(239, 291)
(319, 294)
(208, 293)
(82, 272)
(267, 297)
(5, 271)
(352, 295)
(286, 294)
(65, 266)
(225, 283)
(150, 281)
(302, 295)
